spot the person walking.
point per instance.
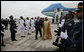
(27, 22)
(32, 25)
(46, 30)
(22, 26)
(38, 26)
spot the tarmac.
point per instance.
(28, 43)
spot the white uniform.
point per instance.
(59, 15)
(27, 22)
(22, 27)
(32, 26)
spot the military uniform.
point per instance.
(12, 29)
(74, 40)
(77, 35)
(69, 23)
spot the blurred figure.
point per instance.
(58, 31)
(75, 37)
(68, 25)
(77, 31)
(74, 41)
(38, 26)
(46, 29)
(22, 26)
(32, 25)
(2, 21)
(13, 28)
(58, 15)
(35, 20)
(24, 23)
(6, 23)
(27, 22)
(2, 34)
(42, 21)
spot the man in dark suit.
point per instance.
(12, 28)
(38, 26)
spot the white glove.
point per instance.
(63, 35)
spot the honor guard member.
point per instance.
(13, 28)
(2, 34)
(77, 31)
(32, 25)
(27, 22)
(68, 25)
(22, 28)
(59, 30)
(74, 41)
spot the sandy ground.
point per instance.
(29, 43)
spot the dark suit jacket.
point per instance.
(38, 25)
(13, 26)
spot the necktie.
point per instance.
(38, 21)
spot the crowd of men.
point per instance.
(24, 24)
(72, 42)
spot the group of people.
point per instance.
(36, 25)
(33, 25)
(5, 22)
(71, 32)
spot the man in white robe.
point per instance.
(32, 25)
(27, 22)
(22, 26)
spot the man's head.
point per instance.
(69, 15)
(79, 12)
(21, 17)
(80, 5)
(27, 18)
(35, 17)
(32, 18)
(11, 17)
(6, 18)
(46, 18)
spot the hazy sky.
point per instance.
(29, 8)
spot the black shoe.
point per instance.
(40, 36)
(35, 39)
(22, 36)
(29, 34)
(55, 34)
(12, 40)
(56, 44)
(15, 40)
(3, 45)
(55, 31)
